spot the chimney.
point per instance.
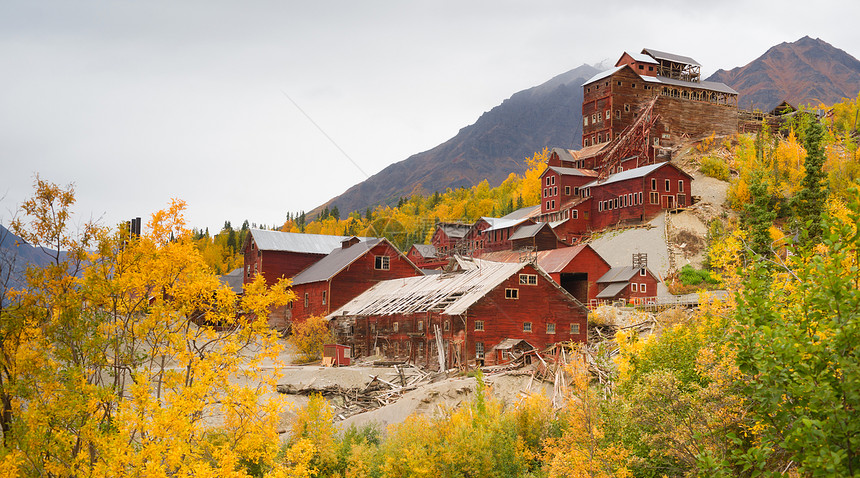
(348, 242)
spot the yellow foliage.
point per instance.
(309, 336)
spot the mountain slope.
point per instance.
(806, 71)
(493, 147)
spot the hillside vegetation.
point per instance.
(110, 365)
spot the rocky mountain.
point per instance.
(15, 255)
(494, 146)
(806, 71)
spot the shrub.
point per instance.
(603, 315)
(309, 336)
(693, 277)
(715, 167)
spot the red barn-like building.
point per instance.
(276, 254)
(628, 283)
(345, 273)
(475, 311)
(576, 269)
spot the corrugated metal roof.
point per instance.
(508, 344)
(522, 213)
(454, 229)
(449, 294)
(501, 223)
(552, 261)
(628, 174)
(641, 58)
(529, 230)
(336, 261)
(612, 290)
(427, 251)
(604, 74)
(296, 242)
(573, 171)
(704, 85)
(234, 280)
(618, 274)
(661, 55)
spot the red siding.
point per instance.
(503, 318)
(350, 282)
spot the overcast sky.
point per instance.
(213, 102)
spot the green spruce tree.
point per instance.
(810, 201)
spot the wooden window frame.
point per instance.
(680, 185)
(654, 198)
(528, 279)
(574, 329)
(382, 263)
(479, 350)
(479, 325)
(527, 326)
(550, 328)
(512, 293)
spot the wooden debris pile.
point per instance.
(382, 390)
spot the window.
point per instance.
(599, 138)
(656, 141)
(593, 118)
(555, 190)
(323, 297)
(547, 180)
(653, 184)
(655, 198)
(642, 272)
(600, 206)
(585, 121)
(528, 279)
(512, 293)
(381, 263)
(617, 114)
(629, 199)
(574, 329)
(668, 185)
(575, 213)
(632, 85)
(680, 186)
(396, 326)
(609, 136)
(527, 326)
(642, 288)
(626, 108)
(634, 287)
(447, 326)
(640, 198)
(306, 300)
(421, 326)
(616, 203)
(567, 190)
(479, 350)
(547, 204)
(550, 328)
(479, 325)
(553, 179)
(553, 204)
(682, 200)
(623, 201)
(607, 114)
(619, 83)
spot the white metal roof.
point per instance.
(705, 85)
(627, 174)
(604, 74)
(450, 294)
(296, 242)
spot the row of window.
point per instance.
(667, 185)
(637, 287)
(553, 191)
(395, 326)
(629, 199)
(695, 95)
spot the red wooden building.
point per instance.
(425, 257)
(637, 194)
(630, 284)
(472, 312)
(686, 105)
(276, 254)
(448, 236)
(576, 269)
(345, 273)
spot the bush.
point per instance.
(693, 277)
(309, 336)
(715, 167)
(603, 315)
